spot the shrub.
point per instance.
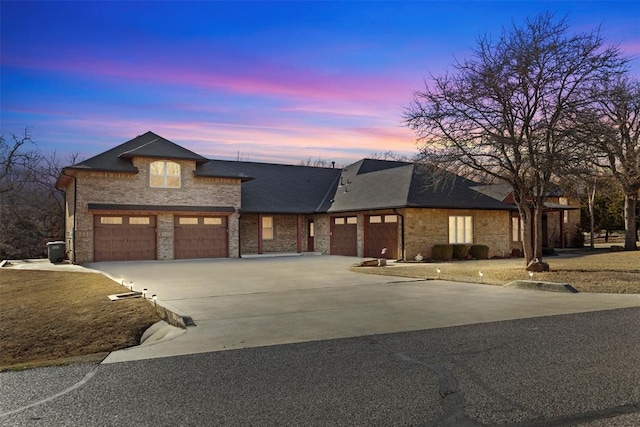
(578, 238)
(548, 251)
(442, 252)
(479, 251)
(459, 251)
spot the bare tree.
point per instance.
(31, 209)
(615, 136)
(508, 113)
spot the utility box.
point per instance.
(56, 251)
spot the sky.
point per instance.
(280, 82)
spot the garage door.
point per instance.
(381, 231)
(200, 237)
(344, 236)
(124, 238)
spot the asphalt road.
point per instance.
(546, 371)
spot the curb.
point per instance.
(542, 286)
(165, 311)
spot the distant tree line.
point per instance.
(31, 209)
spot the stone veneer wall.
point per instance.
(427, 227)
(134, 189)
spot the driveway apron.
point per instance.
(240, 303)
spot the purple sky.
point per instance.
(265, 81)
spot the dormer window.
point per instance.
(164, 174)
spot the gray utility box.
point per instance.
(55, 251)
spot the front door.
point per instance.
(311, 232)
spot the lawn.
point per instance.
(49, 318)
(609, 272)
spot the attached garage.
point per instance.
(381, 231)
(200, 237)
(124, 238)
(344, 236)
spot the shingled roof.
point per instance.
(118, 159)
(378, 184)
(284, 188)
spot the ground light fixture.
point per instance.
(439, 271)
(481, 274)
(131, 285)
(144, 293)
(531, 274)
(154, 298)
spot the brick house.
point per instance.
(150, 199)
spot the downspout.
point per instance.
(75, 203)
(401, 233)
(239, 235)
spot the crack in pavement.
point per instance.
(452, 402)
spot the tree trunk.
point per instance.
(537, 231)
(592, 218)
(527, 233)
(630, 222)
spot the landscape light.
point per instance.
(531, 274)
(131, 285)
(154, 298)
(439, 271)
(481, 274)
(144, 293)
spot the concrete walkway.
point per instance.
(240, 303)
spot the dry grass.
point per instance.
(610, 272)
(49, 317)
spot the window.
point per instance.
(267, 228)
(139, 220)
(375, 219)
(390, 218)
(339, 221)
(312, 230)
(352, 220)
(213, 221)
(516, 229)
(115, 220)
(164, 174)
(460, 229)
(185, 220)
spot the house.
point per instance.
(151, 199)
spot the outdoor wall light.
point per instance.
(144, 293)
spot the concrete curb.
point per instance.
(542, 286)
(167, 313)
(159, 332)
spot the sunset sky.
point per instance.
(260, 81)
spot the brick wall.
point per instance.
(285, 231)
(134, 189)
(427, 227)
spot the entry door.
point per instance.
(311, 232)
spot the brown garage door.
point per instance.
(381, 231)
(344, 236)
(200, 237)
(124, 238)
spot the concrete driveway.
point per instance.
(240, 303)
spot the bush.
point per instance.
(548, 251)
(442, 252)
(578, 238)
(479, 251)
(459, 251)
